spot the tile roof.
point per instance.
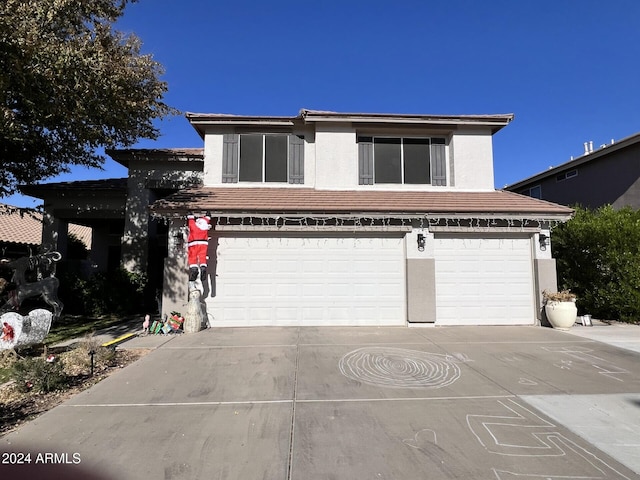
(25, 227)
(307, 200)
(109, 184)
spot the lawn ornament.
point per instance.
(197, 245)
(19, 330)
(42, 268)
(194, 318)
(145, 324)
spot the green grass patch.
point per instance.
(75, 326)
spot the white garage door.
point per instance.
(483, 281)
(293, 280)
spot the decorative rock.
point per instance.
(28, 330)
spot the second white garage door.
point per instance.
(295, 280)
(483, 281)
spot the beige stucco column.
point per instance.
(544, 266)
(54, 232)
(176, 275)
(421, 278)
(135, 239)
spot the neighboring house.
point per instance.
(331, 218)
(21, 232)
(608, 175)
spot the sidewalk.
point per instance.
(617, 334)
(138, 340)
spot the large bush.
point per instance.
(119, 292)
(598, 258)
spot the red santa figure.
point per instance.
(197, 244)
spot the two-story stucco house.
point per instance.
(331, 218)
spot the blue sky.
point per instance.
(567, 69)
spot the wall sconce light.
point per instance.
(544, 241)
(421, 242)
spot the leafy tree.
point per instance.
(70, 84)
(598, 258)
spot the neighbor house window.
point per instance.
(566, 175)
(402, 160)
(257, 157)
(534, 192)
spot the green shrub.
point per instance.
(598, 259)
(35, 373)
(119, 292)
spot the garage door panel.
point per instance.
(309, 281)
(483, 281)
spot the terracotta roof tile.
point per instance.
(26, 227)
(308, 200)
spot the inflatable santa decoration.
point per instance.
(197, 244)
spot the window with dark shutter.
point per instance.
(230, 158)
(257, 157)
(296, 159)
(405, 160)
(365, 160)
(438, 162)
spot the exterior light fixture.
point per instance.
(544, 241)
(421, 242)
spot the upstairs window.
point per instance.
(402, 160)
(257, 157)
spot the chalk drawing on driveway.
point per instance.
(582, 354)
(522, 433)
(399, 368)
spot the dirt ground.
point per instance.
(17, 408)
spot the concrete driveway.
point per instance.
(505, 403)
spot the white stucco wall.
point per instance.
(336, 158)
(331, 161)
(213, 145)
(472, 154)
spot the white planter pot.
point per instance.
(561, 315)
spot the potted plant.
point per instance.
(560, 309)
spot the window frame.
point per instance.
(263, 160)
(371, 139)
(566, 175)
(535, 187)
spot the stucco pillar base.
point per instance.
(545, 279)
(421, 290)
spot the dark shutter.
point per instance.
(296, 159)
(365, 160)
(438, 162)
(230, 158)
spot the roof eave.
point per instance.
(201, 121)
(124, 156)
